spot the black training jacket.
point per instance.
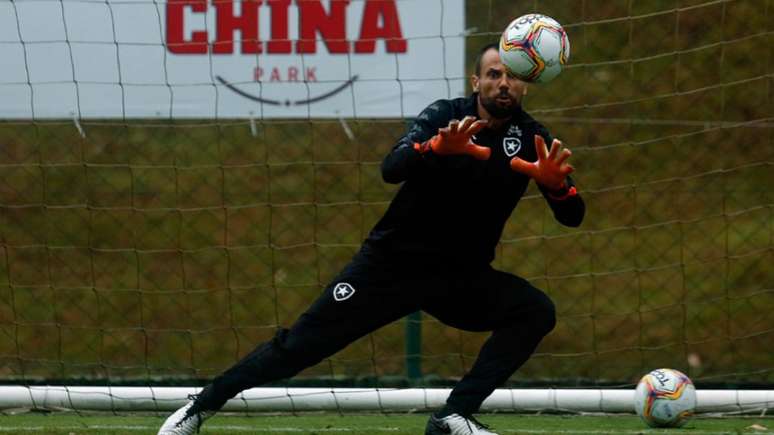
(452, 209)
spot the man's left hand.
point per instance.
(551, 169)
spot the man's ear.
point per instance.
(474, 82)
(526, 88)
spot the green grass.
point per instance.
(167, 249)
(398, 424)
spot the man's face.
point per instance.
(499, 92)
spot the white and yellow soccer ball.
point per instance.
(665, 398)
(534, 48)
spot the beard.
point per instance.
(496, 110)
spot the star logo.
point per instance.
(511, 146)
(343, 291)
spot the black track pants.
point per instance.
(371, 292)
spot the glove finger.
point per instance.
(555, 147)
(477, 151)
(465, 124)
(540, 147)
(453, 126)
(566, 170)
(523, 166)
(566, 153)
(477, 126)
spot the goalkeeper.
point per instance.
(464, 165)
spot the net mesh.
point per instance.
(161, 251)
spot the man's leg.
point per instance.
(519, 316)
(365, 296)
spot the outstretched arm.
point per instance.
(551, 172)
(433, 134)
(566, 203)
(456, 139)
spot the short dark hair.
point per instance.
(484, 49)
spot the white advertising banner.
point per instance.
(215, 59)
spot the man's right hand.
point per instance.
(456, 139)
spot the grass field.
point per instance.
(398, 424)
(156, 251)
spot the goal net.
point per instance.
(179, 179)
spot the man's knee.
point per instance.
(536, 318)
(309, 342)
(284, 355)
(546, 315)
(299, 349)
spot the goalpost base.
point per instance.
(136, 399)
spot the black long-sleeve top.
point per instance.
(453, 208)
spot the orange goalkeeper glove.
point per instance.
(456, 139)
(550, 169)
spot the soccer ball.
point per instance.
(534, 48)
(665, 398)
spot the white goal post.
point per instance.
(180, 178)
(135, 399)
